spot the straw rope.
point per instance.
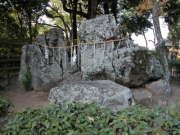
(84, 43)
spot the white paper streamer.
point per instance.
(78, 55)
(46, 53)
(59, 56)
(65, 58)
(127, 43)
(40, 51)
(53, 56)
(112, 51)
(94, 52)
(103, 52)
(83, 54)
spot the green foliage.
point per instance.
(175, 64)
(155, 54)
(26, 80)
(90, 119)
(4, 105)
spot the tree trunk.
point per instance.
(92, 7)
(161, 52)
(106, 8)
(114, 9)
(30, 30)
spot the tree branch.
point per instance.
(73, 11)
(60, 16)
(163, 4)
(51, 25)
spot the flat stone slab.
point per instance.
(156, 87)
(104, 92)
(143, 96)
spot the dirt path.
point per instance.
(25, 99)
(36, 100)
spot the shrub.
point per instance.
(175, 64)
(26, 80)
(4, 105)
(90, 119)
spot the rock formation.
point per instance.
(105, 93)
(48, 66)
(121, 61)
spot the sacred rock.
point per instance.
(108, 53)
(104, 92)
(48, 66)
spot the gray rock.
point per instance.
(155, 87)
(122, 61)
(143, 96)
(105, 93)
(48, 67)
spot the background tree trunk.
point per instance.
(161, 52)
(113, 9)
(92, 7)
(106, 8)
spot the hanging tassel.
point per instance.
(94, 52)
(53, 56)
(59, 56)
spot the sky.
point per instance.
(150, 36)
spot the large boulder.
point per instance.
(105, 93)
(48, 66)
(120, 61)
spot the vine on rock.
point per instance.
(26, 80)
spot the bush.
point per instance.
(175, 64)
(90, 119)
(26, 80)
(4, 105)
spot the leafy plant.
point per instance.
(90, 119)
(176, 65)
(4, 105)
(26, 80)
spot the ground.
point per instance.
(24, 99)
(32, 99)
